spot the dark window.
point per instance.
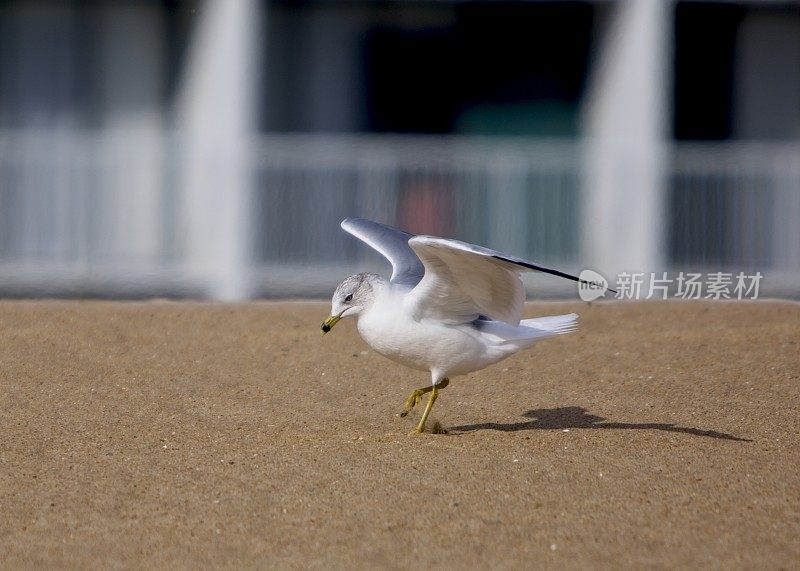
(705, 35)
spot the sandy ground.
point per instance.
(662, 435)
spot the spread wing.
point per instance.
(463, 281)
(393, 244)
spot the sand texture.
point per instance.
(185, 435)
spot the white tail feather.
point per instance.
(556, 324)
(528, 331)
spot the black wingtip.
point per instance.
(551, 271)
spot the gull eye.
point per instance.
(349, 298)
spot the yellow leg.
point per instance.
(416, 396)
(431, 399)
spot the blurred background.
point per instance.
(211, 148)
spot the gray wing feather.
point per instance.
(407, 269)
(523, 263)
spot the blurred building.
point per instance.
(210, 148)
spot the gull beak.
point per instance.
(330, 322)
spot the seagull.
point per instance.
(449, 308)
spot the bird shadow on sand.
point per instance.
(566, 417)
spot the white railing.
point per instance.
(518, 196)
(104, 214)
(736, 204)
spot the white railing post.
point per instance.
(623, 207)
(217, 119)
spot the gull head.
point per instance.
(352, 297)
